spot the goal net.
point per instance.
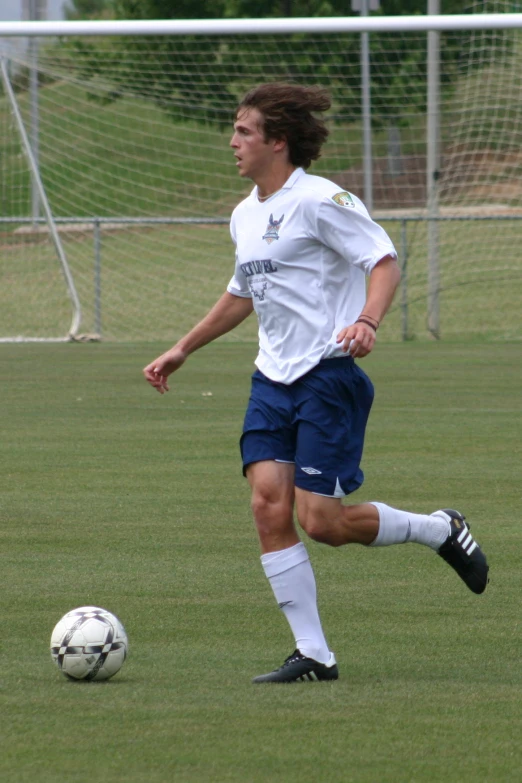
(131, 135)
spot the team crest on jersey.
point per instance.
(258, 287)
(344, 199)
(272, 230)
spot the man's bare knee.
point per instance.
(320, 530)
(317, 525)
(269, 508)
(318, 517)
(272, 491)
(272, 504)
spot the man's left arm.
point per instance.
(359, 338)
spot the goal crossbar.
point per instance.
(336, 24)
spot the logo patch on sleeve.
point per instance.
(344, 199)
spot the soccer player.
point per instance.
(304, 248)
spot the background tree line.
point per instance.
(202, 78)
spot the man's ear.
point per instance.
(279, 145)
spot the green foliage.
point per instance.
(246, 9)
(252, 9)
(190, 77)
(169, 9)
(88, 9)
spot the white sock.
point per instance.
(400, 527)
(290, 574)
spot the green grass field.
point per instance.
(113, 495)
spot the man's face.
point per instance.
(253, 153)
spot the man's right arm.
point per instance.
(228, 312)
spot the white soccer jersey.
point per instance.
(302, 256)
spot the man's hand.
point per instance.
(157, 372)
(357, 339)
(228, 312)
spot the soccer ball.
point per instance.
(89, 643)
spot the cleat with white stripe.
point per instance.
(298, 668)
(462, 552)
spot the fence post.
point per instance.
(404, 281)
(97, 277)
(364, 7)
(35, 13)
(433, 172)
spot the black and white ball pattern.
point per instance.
(89, 643)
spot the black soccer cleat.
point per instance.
(298, 668)
(462, 552)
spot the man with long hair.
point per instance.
(304, 248)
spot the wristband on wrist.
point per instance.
(361, 320)
(364, 315)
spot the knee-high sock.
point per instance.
(290, 574)
(399, 527)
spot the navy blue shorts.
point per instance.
(318, 422)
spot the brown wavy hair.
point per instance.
(292, 112)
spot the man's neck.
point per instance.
(272, 184)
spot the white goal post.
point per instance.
(35, 175)
(315, 25)
(135, 183)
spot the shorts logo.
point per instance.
(312, 471)
(272, 230)
(344, 199)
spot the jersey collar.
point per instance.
(290, 182)
(292, 179)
